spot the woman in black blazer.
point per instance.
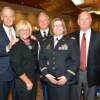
(24, 62)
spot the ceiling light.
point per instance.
(78, 2)
(94, 11)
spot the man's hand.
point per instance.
(33, 37)
(11, 43)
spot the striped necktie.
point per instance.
(11, 35)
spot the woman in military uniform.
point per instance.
(59, 61)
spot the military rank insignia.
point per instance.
(63, 47)
(73, 38)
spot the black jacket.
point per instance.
(24, 60)
(39, 37)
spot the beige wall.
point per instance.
(23, 12)
(30, 14)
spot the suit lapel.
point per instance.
(6, 39)
(92, 38)
(49, 33)
(78, 38)
(39, 34)
(52, 43)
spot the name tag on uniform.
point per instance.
(63, 47)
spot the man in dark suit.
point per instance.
(44, 31)
(7, 39)
(86, 40)
(42, 35)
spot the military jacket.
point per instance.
(61, 60)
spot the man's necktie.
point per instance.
(11, 35)
(83, 63)
(44, 33)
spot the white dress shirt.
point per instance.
(46, 32)
(7, 31)
(56, 39)
(87, 36)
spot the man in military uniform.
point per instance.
(44, 31)
(41, 36)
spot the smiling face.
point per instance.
(43, 21)
(7, 16)
(84, 21)
(58, 28)
(24, 34)
(23, 29)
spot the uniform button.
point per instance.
(54, 63)
(53, 68)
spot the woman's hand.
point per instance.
(11, 43)
(29, 85)
(27, 81)
(51, 78)
(61, 80)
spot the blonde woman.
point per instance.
(24, 62)
(59, 62)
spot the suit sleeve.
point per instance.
(74, 62)
(3, 52)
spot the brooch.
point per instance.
(30, 47)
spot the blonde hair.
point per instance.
(63, 24)
(23, 24)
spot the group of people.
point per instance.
(67, 64)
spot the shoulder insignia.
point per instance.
(73, 38)
(71, 72)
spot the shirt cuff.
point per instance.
(7, 49)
